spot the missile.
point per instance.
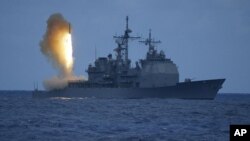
(69, 28)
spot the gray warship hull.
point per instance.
(205, 89)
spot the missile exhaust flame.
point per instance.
(68, 50)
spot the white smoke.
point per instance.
(56, 45)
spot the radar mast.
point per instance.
(123, 40)
(150, 42)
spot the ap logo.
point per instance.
(239, 132)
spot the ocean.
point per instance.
(23, 118)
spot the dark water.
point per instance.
(24, 118)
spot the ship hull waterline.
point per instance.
(205, 89)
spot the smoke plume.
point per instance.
(56, 45)
(57, 82)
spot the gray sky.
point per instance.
(207, 39)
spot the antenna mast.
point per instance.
(95, 52)
(149, 41)
(124, 39)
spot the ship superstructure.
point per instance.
(154, 71)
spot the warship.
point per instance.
(156, 76)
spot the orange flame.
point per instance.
(68, 51)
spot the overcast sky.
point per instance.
(207, 39)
